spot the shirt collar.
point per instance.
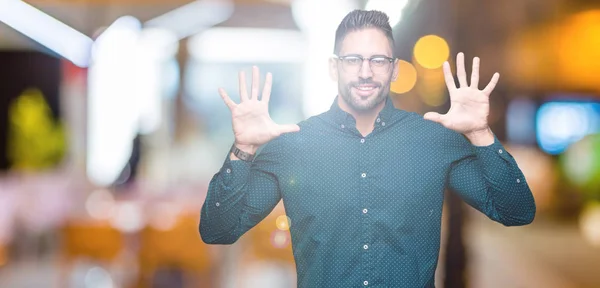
(342, 117)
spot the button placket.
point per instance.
(364, 157)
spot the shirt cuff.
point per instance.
(498, 163)
(234, 172)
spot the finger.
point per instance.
(475, 73)
(460, 70)
(490, 87)
(288, 128)
(255, 83)
(266, 95)
(434, 116)
(242, 86)
(448, 77)
(226, 98)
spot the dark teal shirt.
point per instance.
(365, 211)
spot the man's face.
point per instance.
(364, 85)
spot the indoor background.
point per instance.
(111, 128)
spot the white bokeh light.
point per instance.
(126, 81)
(318, 20)
(393, 8)
(128, 217)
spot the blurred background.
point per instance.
(111, 128)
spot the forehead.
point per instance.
(366, 42)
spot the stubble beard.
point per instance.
(356, 103)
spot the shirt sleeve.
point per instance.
(489, 179)
(240, 195)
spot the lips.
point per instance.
(364, 90)
(365, 87)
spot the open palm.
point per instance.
(469, 106)
(252, 124)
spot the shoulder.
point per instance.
(283, 148)
(289, 140)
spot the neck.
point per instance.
(365, 120)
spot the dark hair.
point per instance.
(362, 19)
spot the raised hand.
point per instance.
(252, 125)
(469, 106)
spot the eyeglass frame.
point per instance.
(389, 59)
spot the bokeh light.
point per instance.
(280, 239)
(283, 222)
(128, 217)
(581, 164)
(431, 51)
(98, 277)
(561, 123)
(164, 216)
(431, 86)
(100, 204)
(407, 78)
(578, 50)
(392, 8)
(589, 223)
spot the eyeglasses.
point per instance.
(353, 63)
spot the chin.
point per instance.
(361, 103)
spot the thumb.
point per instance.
(288, 128)
(433, 116)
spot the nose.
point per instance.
(365, 70)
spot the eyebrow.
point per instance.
(373, 56)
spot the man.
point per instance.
(363, 183)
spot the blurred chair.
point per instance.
(175, 252)
(97, 241)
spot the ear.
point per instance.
(396, 70)
(333, 69)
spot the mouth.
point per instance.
(364, 90)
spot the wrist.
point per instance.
(482, 137)
(243, 152)
(250, 149)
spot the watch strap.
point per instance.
(241, 154)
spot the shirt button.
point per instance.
(365, 211)
(366, 247)
(500, 151)
(518, 180)
(363, 175)
(218, 204)
(382, 123)
(342, 126)
(228, 170)
(366, 283)
(362, 140)
(378, 120)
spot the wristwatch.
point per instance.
(241, 154)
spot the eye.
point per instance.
(379, 61)
(352, 60)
